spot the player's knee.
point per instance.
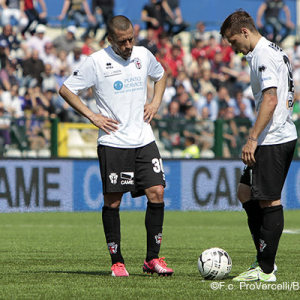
(155, 194)
(112, 200)
(243, 193)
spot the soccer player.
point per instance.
(271, 143)
(128, 156)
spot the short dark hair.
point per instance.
(118, 23)
(234, 22)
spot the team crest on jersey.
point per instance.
(113, 177)
(112, 247)
(76, 72)
(262, 68)
(158, 238)
(137, 63)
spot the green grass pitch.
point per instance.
(64, 256)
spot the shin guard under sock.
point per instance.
(254, 213)
(111, 225)
(270, 233)
(154, 223)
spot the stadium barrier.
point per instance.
(39, 137)
(45, 185)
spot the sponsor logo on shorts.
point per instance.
(113, 177)
(127, 178)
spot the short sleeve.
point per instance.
(82, 78)
(155, 69)
(267, 71)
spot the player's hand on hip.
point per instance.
(149, 112)
(106, 124)
(248, 152)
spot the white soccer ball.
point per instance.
(214, 263)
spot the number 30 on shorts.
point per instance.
(157, 165)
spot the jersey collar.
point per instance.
(118, 57)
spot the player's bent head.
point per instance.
(118, 23)
(235, 22)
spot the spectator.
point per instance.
(244, 108)
(75, 58)
(198, 49)
(224, 101)
(87, 48)
(32, 70)
(239, 72)
(173, 17)
(149, 42)
(67, 41)
(195, 83)
(232, 143)
(271, 10)
(4, 53)
(153, 15)
(183, 79)
(164, 42)
(227, 52)
(207, 133)
(199, 34)
(210, 103)
(104, 11)
(49, 81)
(169, 93)
(4, 129)
(13, 43)
(48, 56)
(218, 77)
(12, 101)
(171, 127)
(199, 65)
(185, 101)
(62, 64)
(8, 76)
(191, 149)
(37, 41)
(34, 17)
(13, 9)
(38, 133)
(206, 82)
(211, 48)
(78, 11)
(175, 61)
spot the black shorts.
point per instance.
(267, 176)
(130, 169)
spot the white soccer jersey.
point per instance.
(120, 90)
(270, 67)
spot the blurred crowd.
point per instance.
(206, 80)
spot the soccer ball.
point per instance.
(214, 263)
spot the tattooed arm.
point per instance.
(265, 114)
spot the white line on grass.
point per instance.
(291, 231)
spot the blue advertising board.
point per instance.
(75, 185)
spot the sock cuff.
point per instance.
(155, 205)
(110, 209)
(251, 204)
(271, 209)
